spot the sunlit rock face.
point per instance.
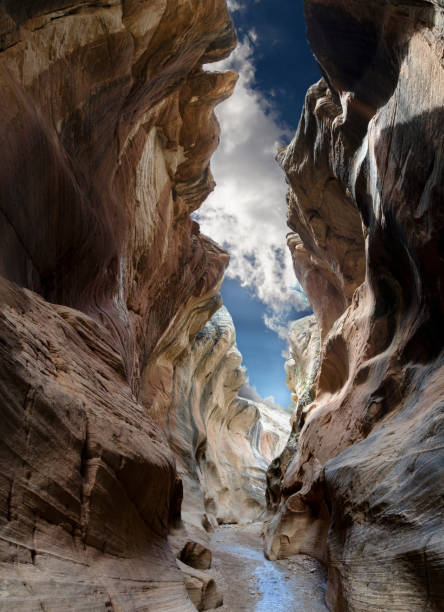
(363, 489)
(222, 442)
(302, 365)
(106, 130)
(302, 368)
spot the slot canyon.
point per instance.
(136, 473)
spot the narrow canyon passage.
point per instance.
(134, 450)
(252, 583)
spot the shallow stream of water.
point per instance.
(251, 583)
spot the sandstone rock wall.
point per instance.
(222, 442)
(106, 130)
(87, 479)
(302, 366)
(363, 488)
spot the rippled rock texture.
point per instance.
(87, 479)
(106, 130)
(223, 442)
(363, 491)
(302, 368)
(303, 363)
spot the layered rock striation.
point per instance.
(302, 366)
(87, 479)
(302, 369)
(362, 490)
(106, 131)
(222, 442)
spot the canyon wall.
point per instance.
(303, 363)
(223, 442)
(363, 486)
(106, 131)
(302, 367)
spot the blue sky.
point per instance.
(261, 348)
(285, 67)
(247, 211)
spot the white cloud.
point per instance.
(233, 5)
(247, 211)
(249, 391)
(252, 35)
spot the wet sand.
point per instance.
(251, 582)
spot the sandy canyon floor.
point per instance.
(251, 583)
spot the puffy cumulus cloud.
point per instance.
(247, 211)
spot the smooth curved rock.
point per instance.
(201, 588)
(302, 369)
(87, 478)
(106, 131)
(363, 489)
(302, 366)
(222, 442)
(195, 555)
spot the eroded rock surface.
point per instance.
(223, 443)
(106, 131)
(87, 478)
(363, 488)
(302, 368)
